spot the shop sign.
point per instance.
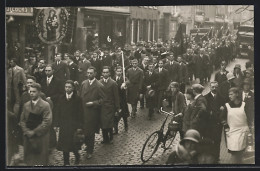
(51, 24)
(111, 9)
(22, 11)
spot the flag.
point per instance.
(179, 38)
(220, 33)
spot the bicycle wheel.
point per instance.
(169, 139)
(150, 146)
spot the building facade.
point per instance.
(143, 23)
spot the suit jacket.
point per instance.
(250, 107)
(173, 71)
(135, 77)
(182, 73)
(98, 65)
(92, 93)
(107, 61)
(213, 107)
(143, 68)
(39, 75)
(61, 71)
(163, 79)
(54, 91)
(110, 104)
(151, 80)
(199, 116)
(19, 81)
(74, 72)
(221, 78)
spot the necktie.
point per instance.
(48, 81)
(32, 104)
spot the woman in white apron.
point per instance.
(236, 126)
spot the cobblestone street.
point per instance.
(127, 146)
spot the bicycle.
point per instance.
(158, 137)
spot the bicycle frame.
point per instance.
(168, 114)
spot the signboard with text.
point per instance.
(21, 11)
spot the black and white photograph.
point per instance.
(129, 85)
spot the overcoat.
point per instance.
(70, 118)
(122, 98)
(151, 80)
(110, 104)
(41, 137)
(173, 71)
(135, 84)
(61, 71)
(91, 117)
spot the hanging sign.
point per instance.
(21, 11)
(51, 24)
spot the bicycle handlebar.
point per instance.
(164, 112)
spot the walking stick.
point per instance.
(123, 65)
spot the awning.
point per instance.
(119, 10)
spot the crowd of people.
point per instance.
(79, 94)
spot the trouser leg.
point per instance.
(125, 122)
(66, 158)
(110, 134)
(90, 140)
(160, 99)
(150, 112)
(105, 135)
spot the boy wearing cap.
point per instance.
(221, 75)
(186, 150)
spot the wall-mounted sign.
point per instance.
(51, 24)
(21, 11)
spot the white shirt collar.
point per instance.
(50, 78)
(69, 95)
(197, 96)
(35, 101)
(91, 81)
(105, 80)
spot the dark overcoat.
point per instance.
(173, 71)
(134, 87)
(110, 104)
(151, 80)
(41, 136)
(61, 71)
(70, 118)
(92, 93)
(162, 80)
(74, 72)
(83, 67)
(122, 98)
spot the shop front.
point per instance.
(21, 36)
(101, 26)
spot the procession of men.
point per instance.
(85, 93)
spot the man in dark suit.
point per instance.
(189, 60)
(73, 69)
(144, 67)
(52, 88)
(249, 98)
(182, 74)
(39, 72)
(77, 57)
(92, 94)
(150, 84)
(173, 69)
(122, 99)
(213, 110)
(221, 75)
(110, 106)
(61, 70)
(163, 83)
(83, 66)
(134, 86)
(201, 63)
(95, 62)
(224, 88)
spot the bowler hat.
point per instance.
(237, 66)
(191, 135)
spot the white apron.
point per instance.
(237, 121)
